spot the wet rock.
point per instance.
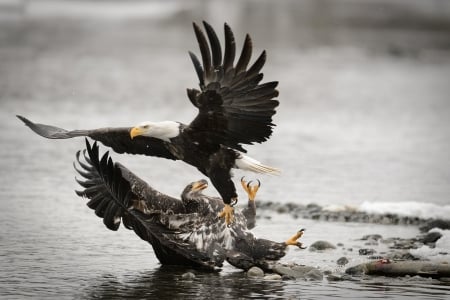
(287, 277)
(314, 274)
(283, 270)
(371, 243)
(431, 237)
(312, 207)
(321, 245)
(402, 268)
(316, 212)
(333, 277)
(442, 224)
(405, 244)
(374, 237)
(272, 277)
(357, 270)
(375, 257)
(401, 255)
(390, 240)
(188, 276)
(255, 272)
(282, 210)
(300, 271)
(366, 251)
(342, 261)
(295, 271)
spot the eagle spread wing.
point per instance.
(114, 197)
(118, 138)
(233, 107)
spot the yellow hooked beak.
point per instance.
(200, 185)
(136, 131)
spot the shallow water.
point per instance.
(361, 119)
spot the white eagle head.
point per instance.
(164, 130)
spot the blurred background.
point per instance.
(364, 89)
(363, 122)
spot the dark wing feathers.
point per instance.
(198, 68)
(246, 54)
(234, 108)
(107, 202)
(117, 138)
(204, 50)
(215, 45)
(110, 195)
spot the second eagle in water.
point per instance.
(184, 231)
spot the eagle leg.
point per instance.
(292, 241)
(250, 189)
(227, 213)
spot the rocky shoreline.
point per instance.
(388, 256)
(385, 256)
(396, 261)
(317, 212)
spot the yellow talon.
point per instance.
(292, 241)
(250, 189)
(227, 213)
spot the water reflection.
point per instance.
(166, 282)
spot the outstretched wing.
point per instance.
(114, 197)
(117, 138)
(233, 107)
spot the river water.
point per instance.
(363, 119)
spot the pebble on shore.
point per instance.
(321, 245)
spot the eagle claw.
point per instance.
(228, 214)
(292, 241)
(250, 189)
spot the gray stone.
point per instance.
(295, 271)
(342, 261)
(443, 224)
(272, 277)
(255, 272)
(366, 251)
(374, 237)
(431, 237)
(284, 271)
(401, 255)
(314, 274)
(321, 245)
(333, 277)
(357, 270)
(371, 243)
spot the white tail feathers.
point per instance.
(245, 162)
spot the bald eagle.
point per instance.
(182, 231)
(233, 109)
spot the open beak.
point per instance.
(135, 131)
(200, 185)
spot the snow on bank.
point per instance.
(440, 251)
(410, 209)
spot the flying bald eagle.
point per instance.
(233, 109)
(181, 232)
